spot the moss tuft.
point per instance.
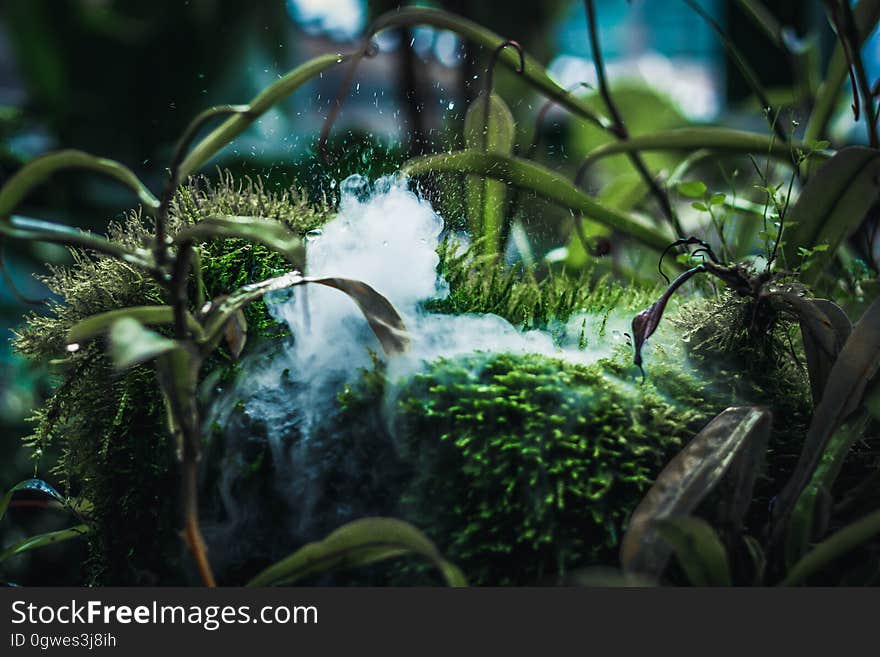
(527, 466)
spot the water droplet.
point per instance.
(73, 347)
(451, 105)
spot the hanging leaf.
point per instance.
(831, 206)
(645, 323)
(132, 343)
(700, 552)
(718, 140)
(235, 333)
(380, 314)
(491, 130)
(358, 543)
(533, 73)
(378, 311)
(27, 228)
(686, 481)
(38, 170)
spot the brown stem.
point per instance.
(192, 531)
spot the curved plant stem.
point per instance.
(866, 14)
(544, 182)
(723, 140)
(619, 126)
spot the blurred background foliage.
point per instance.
(122, 78)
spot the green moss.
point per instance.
(480, 284)
(109, 427)
(523, 467)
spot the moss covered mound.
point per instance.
(526, 466)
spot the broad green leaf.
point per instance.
(488, 129)
(358, 543)
(686, 481)
(692, 189)
(41, 540)
(719, 140)
(544, 182)
(700, 552)
(267, 232)
(834, 547)
(259, 105)
(35, 485)
(831, 206)
(95, 325)
(132, 343)
(848, 379)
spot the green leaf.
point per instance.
(41, 540)
(27, 228)
(95, 325)
(692, 189)
(698, 549)
(490, 130)
(131, 343)
(831, 206)
(358, 543)
(267, 232)
(717, 199)
(35, 485)
(686, 481)
(544, 182)
(834, 547)
(802, 529)
(719, 140)
(40, 169)
(702, 207)
(259, 105)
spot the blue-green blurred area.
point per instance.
(122, 78)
